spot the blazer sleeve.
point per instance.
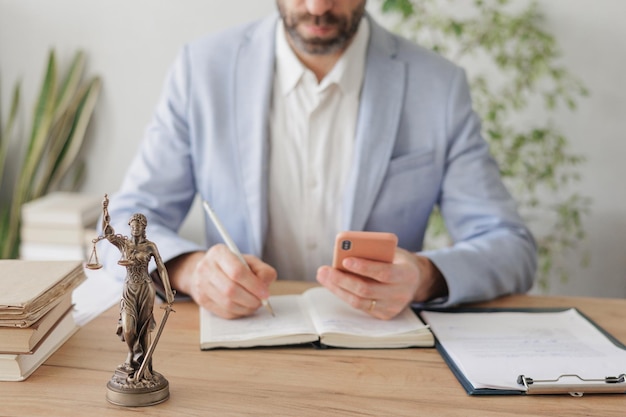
(160, 180)
(493, 252)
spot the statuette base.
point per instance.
(143, 393)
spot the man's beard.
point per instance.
(346, 29)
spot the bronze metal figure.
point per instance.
(134, 382)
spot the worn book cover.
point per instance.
(26, 339)
(17, 367)
(32, 288)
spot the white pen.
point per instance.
(231, 245)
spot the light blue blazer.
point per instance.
(418, 144)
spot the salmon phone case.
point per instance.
(376, 246)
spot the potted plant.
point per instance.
(52, 150)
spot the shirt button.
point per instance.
(312, 182)
(311, 245)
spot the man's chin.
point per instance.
(329, 42)
(319, 47)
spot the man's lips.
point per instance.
(319, 30)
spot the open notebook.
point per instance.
(317, 315)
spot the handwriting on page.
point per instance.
(525, 342)
(289, 318)
(492, 349)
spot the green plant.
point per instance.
(518, 86)
(52, 155)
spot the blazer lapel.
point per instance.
(379, 114)
(253, 79)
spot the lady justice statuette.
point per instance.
(135, 383)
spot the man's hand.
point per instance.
(383, 290)
(219, 282)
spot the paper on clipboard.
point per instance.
(491, 350)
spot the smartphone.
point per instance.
(376, 246)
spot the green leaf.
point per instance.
(404, 7)
(6, 131)
(83, 107)
(70, 84)
(42, 120)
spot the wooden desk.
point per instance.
(299, 381)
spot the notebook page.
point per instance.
(289, 319)
(332, 315)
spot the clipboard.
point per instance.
(569, 383)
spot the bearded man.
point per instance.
(313, 121)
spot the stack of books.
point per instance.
(59, 225)
(35, 312)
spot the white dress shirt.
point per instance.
(312, 129)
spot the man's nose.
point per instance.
(319, 7)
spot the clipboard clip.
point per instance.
(574, 385)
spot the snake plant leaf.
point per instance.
(62, 140)
(6, 251)
(67, 146)
(86, 106)
(70, 85)
(77, 176)
(6, 130)
(61, 125)
(57, 138)
(42, 120)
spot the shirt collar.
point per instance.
(347, 72)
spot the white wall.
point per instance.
(592, 37)
(131, 44)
